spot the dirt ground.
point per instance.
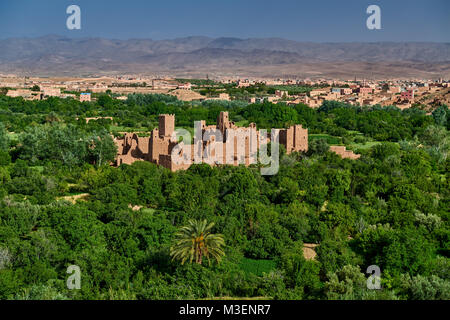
(308, 251)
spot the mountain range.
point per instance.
(195, 56)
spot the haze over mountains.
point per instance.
(196, 56)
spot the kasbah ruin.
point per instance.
(224, 143)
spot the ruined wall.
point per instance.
(158, 145)
(241, 143)
(300, 139)
(127, 149)
(343, 153)
(294, 139)
(166, 125)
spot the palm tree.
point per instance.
(195, 241)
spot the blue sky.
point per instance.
(318, 21)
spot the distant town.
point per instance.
(401, 93)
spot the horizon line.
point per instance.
(209, 37)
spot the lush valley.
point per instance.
(63, 204)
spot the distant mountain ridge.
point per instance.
(56, 54)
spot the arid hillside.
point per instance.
(195, 56)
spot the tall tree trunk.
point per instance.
(200, 256)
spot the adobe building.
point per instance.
(51, 91)
(343, 153)
(281, 93)
(224, 96)
(346, 91)
(364, 90)
(295, 138)
(185, 86)
(223, 143)
(407, 95)
(26, 94)
(85, 97)
(318, 92)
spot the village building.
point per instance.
(26, 94)
(85, 97)
(51, 91)
(67, 95)
(346, 91)
(224, 96)
(407, 95)
(364, 90)
(344, 153)
(185, 86)
(243, 83)
(281, 93)
(318, 92)
(272, 98)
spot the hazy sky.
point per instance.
(319, 21)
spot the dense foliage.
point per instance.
(389, 208)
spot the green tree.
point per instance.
(102, 148)
(425, 288)
(347, 283)
(4, 139)
(195, 241)
(440, 115)
(318, 146)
